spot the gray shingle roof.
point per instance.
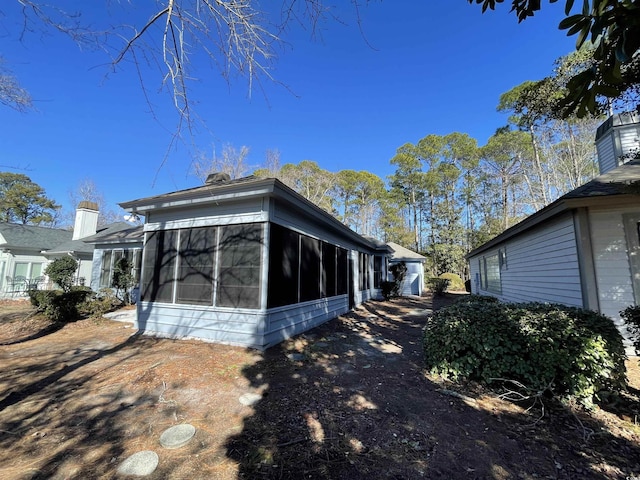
(32, 237)
(117, 232)
(401, 253)
(614, 182)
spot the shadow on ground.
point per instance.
(350, 400)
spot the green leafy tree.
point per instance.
(613, 29)
(122, 279)
(23, 201)
(61, 272)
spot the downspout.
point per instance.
(586, 265)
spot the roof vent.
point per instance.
(218, 177)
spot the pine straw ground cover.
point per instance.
(348, 400)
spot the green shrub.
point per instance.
(438, 285)
(392, 289)
(631, 317)
(61, 272)
(569, 352)
(57, 305)
(455, 282)
(100, 303)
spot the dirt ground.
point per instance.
(348, 400)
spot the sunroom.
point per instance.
(248, 262)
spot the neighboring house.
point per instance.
(581, 250)
(110, 245)
(248, 262)
(413, 283)
(25, 250)
(22, 254)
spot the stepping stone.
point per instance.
(296, 357)
(177, 436)
(250, 399)
(139, 464)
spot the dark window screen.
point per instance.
(328, 284)
(239, 272)
(309, 269)
(105, 270)
(377, 271)
(196, 268)
(342, 276)
(283, 267)
(159, 266)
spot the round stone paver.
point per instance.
(139, 464)
(249, 399)
(177, 436)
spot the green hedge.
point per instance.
(566, 351)
(57, 305)
(455, 281)
(438, 285)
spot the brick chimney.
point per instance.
(86, 220)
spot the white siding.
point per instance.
(613, 273)
(540, 265)
(248, 211)
(413, 280)
(629, 138)
(606, 153)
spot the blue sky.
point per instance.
(417, 68)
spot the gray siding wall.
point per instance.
(284, 322)
(541, 265)
(231, 326)
(613, 272)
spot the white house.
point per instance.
(25, 251)
(248, 262)
(581, 250)
(413, 282)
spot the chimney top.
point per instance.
(88, 205)
(217, 177)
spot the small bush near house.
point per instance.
(98, 304)
(57, 305)
(61, 272)
(438, 285)
(455, 282)
(392, 289)
(631, 317)
(552, 349)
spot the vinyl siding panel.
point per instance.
(540, 265)
(284, 322)
(229, 326)
(606, 153)
(613, 273)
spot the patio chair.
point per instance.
(19, 284)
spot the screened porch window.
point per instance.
(196, 266)
(302, 268)
(239, 275)
(204, 266)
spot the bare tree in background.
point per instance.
(12, 94)
(237, 36)
(89, 191)
(231, 161)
